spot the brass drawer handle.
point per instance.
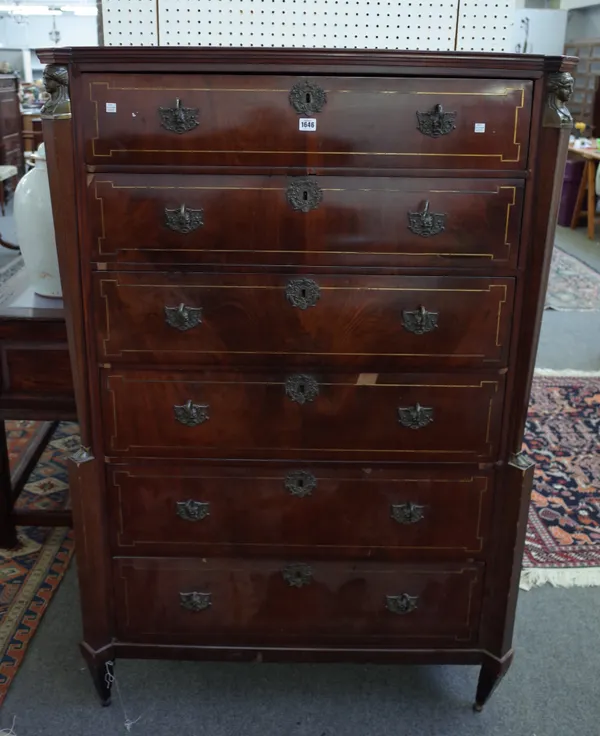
(436, 122)
(191, 510)
(183, 219)
(300, 483)
(302, 293)
(297, 575)
(183, 318)
(301, 388)
(426, 223)
(415, 417)
(401, 604)
(191, 414)
(195, 601)
(420, 321)
(304, 195)
(407, 513)
(307, 98)
(178, 119)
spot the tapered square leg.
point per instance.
(490, 676)
(101, 665)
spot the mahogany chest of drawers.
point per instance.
(304, 293)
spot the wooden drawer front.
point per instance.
(191, 319)
(34, 370)
(200, 600)
(389, 416)
(250, 121)
(305, 509)
(366, 221)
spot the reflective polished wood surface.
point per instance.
(304, 291)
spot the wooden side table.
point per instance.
(591, 157)
(35, 383)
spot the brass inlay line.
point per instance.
(504, 93)
(303, 352)
(297, 153)
(282, 288)
(508, 215)
(501, 303)
(324, 189)
(168, 542)
(482, 492)
(279, 478)
(322, 252)
(489, 420)
(212, 382)
(303, 449)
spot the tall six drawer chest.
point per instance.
(304, 292)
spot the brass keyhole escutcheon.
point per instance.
(301, 388)
(304, 194)
(307, 98)
(300, 483)
(302, 293)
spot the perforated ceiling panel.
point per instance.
(129, 22)
(375, 24)
(485, 26)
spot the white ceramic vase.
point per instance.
(35, 228)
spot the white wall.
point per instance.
(74, 31)
(547, 30)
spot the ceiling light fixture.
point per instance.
(29, 10)
(81, 10)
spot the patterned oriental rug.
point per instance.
(30, 575)
(563, 439)
(573, 285)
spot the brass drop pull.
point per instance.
(301, 388)
(297, 575)
(191, 414)
(304, 195)
(195, 601)
(415, 417)
(183, 219)
(183, 318)
(420, 321)
(307, 98)
(300, 483)
(401, 604)
(302, 293)
(191, 510)
(407, 513)
(436, 122)
(178, 119)
(426, 223)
